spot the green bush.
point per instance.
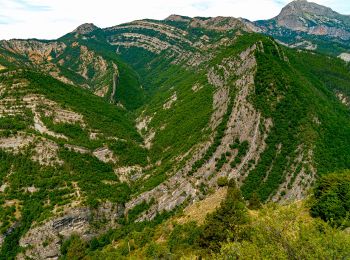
(332, 199)
(254, 202)
(184, 237)
(73, 248)
(227, 222)
(222, 181)
(282, 232)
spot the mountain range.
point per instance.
(104, 127)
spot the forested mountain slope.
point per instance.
(104, 127)
(75, 59)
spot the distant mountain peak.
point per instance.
(299, 2)
(177, 18)
(85, 28)
(300, 7)
(314, 19)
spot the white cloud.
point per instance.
(50, 19)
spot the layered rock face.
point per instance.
(243, 123)
(43, 242)
(315, 19)
(302, 21)
(69, 61)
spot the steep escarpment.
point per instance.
(314, 19)
(43, 242)
(193, 180)
(309, 25)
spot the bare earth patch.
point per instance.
(77, 149)
(143, 122)
(345, 57)
(15, 143)
(196, 87)
(126, 173)
(102, 92)
(199, 210)
(105, 155)
(148, 139)
(45, 153)
(41, 128)
(170, 102)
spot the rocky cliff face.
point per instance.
(43, 242)
(314, 19)
(301, 20)
(219, 23)
(37, 52)
(85, 29)
(186, 185)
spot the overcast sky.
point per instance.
(49, 19)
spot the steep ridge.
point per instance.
(154, 124)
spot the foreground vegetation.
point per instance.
(235, 231)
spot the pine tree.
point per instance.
(226, 223)
(254, 202)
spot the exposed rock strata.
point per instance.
(243, 123)
(43, 242)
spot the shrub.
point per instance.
(184, 237)
(222, 181)
(332, 198)
(254, 202)
(227, 222)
